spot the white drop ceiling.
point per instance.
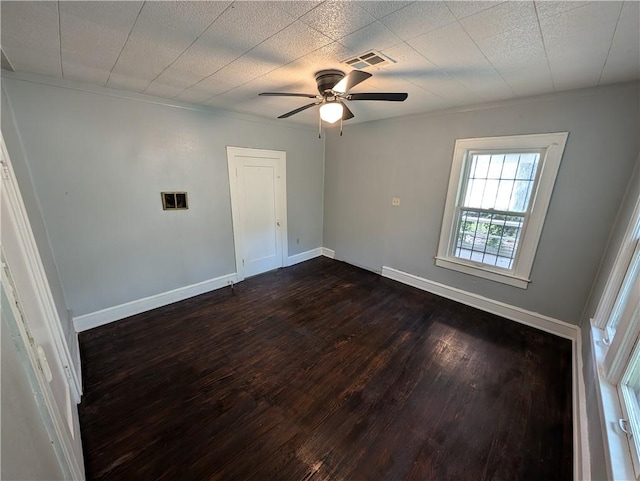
(222, 54)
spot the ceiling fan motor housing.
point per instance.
(327, 79)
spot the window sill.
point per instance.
(478, 271)
(616, 445)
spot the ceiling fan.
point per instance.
(334, 87)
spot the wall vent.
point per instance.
(369, 59)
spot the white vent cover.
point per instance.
(369, 59)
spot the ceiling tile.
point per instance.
(418, 18)
(623, 62)
(462, 9)
(441, 84)
(383, 8)
(163, 31)
(296, 8)
(198, 62)
(593, 23)
(519, 58)
(578, 41)
(501, 18)
(92, 36)
(243, 70)
(292, 42)
(487, 83)
(515, 48)
(530, 79)
(450, 48)
(550, 8)
(127, 82)
(193, 96)
(328, 57)
(285, 80)
(372, 37)
(337, 19)
(527, 36)
(215, 85)
(575, 73)
(30, 36)
(162, 90)
(240, 99)
(236, 31)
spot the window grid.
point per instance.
(495, 246)
(484, 233)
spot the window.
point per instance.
(629, 393)
(626, 290)
(616, 331)
(499, 191)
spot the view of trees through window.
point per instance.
(495, 201)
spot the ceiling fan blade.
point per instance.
(346, 113)
(391, 97)
(293, 112)
(350, 80)
(287, 94)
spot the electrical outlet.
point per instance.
(395, 201)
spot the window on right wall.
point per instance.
(499, 192)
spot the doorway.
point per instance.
(257, 182)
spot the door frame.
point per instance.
(25, 284)
(233, 154)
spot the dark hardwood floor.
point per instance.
(323, 371)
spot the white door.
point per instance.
(257, 180)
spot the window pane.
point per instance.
(628, 292)
(488, 238)
(503, 199)
(475, 188)
(510, 166)
(520, 196)
(527, 166)
(501, 181)
(490, 194)
(629, 390)
(480, 166)
(495, 166)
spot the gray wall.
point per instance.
(27, 452)
(13, 142)
(99, 162)
(410, 158)
(596, 442)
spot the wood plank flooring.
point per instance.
(323, 371)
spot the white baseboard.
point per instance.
(582, 458)
(304, 256)
(330, 253)
(533, 319)
(115, 313)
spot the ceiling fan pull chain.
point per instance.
(319, 127)
(340, 126)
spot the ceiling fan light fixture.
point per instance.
(331, 112)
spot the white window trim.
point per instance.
(611, 356)
(621, 346)
(616, 446)
(619, 271)
(630, 407)
(552, 145)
